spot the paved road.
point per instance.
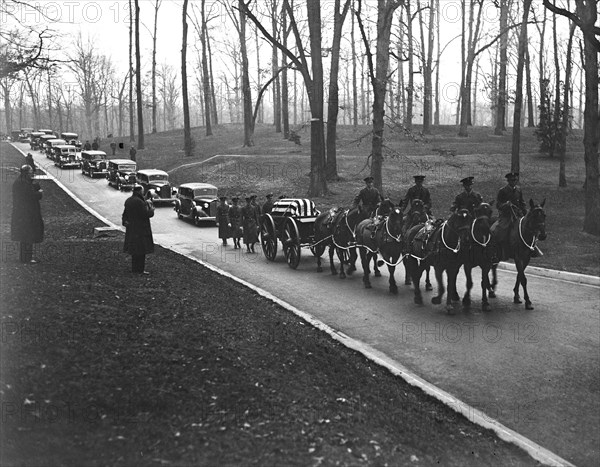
(536, 372)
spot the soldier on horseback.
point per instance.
(369, 197)
(468, 198)
(511, 207)
(418, 191)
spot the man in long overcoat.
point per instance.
(235, 220)
(27, 225)
(138, 233)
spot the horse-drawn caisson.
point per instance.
(292, 222)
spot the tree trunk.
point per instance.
(562, 177)
(501, 95)
(427, 72)
(285, 115)
(408, 121)
(354, 80)
(436, 115)
(333, 104)
(516, 137)
(138, 78)
(131, 111)
(556, 117)
(246, 90)
(541, 67)
(318, 184)
(187, 131)
(205, 78)
(156, 7)
(274, 64)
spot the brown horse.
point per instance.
(440, 251)
(522, 238)
(481, 252)
(386, 239)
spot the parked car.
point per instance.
(65, 155)
(94, 163)
(197, 202)
(24, 135)
(71, 138)
(50, 144)
(156, 185)
(33, 139)
(41, 142)
(121, 173)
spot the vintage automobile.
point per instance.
(71, 138)
(50, 144)
(24, 135)
(121, 173)
(34, 137)
(94, 163)
(66, 155)
(41, 141)
(197, 202)
(156, 186)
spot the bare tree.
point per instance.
(188, 145)
(501, 87)
(157, 4)
(138, 79)
(379, 78)
(585, 17)
(562, 177)
(131, 110)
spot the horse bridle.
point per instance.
(535, 237)
(473, 233)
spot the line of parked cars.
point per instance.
(196, 202)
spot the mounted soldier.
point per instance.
(511, 207)
(468, 198)
(418, 191)
(368, 198)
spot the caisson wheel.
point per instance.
(268, 237)
(290, 239)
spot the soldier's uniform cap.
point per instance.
(467, 181)
(512, 175)
(269, 195)
(222, 198)
(26, 168)
(419, 177)
(235, 198)
(368, 179)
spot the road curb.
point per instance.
(554, 274)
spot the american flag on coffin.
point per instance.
(295, 207)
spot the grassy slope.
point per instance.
(279, 166)
(102, 367)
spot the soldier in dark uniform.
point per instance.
(235, 220)
(250, 219)
(268, 206)
(223, 220)
(511, 207)
(467, 199)
(418, 191)
(254, 203)
(369, 197)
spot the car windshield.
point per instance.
(97, 157)
(158, 178)
(205, 192)
(127, 167)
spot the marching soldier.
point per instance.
(467, 199)
(418, 191)
(235, 220)
(250, 220)
(223, 220)
(369, 197)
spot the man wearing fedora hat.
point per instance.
(468, 198)
(418, 191)
(369, 197)
(138, 232)
(27, 225)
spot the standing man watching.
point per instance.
(138, 233)
(27, 225)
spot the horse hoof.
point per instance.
(351, 269)
(319, 269)
(418, 300)
(368, 286)
(394, 290)
(377, 274)
(436, 300)
(450, 309)
(455, 297)
(528, 306)
(486, 307)
(407, 282)
(428, 287)
(466, 302)
(492, 294)
(342, 276)
(517, 300)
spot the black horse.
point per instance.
(440, 251)
(522, 238)
(481, 252)
(417, 215)
(343, 238)
(386, 239)
(323, 236)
